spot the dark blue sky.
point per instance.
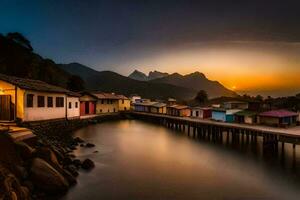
(124, 35)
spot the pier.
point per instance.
(215, 131)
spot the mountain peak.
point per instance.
(137, 75)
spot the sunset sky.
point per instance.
(250, 46)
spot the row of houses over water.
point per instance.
(231, 112)
(32, 100)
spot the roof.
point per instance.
(202, 108)
(103, 95)
(159, 105)
(246, 113)
(232, 111)
(219, 109)
(179, 107)
(121, 96)
(147, 103)
(278, 113)
(37, 85)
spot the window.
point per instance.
(76, 104)
(122, 101)
(29, 100)
(59, 102)
(70, 105)
(41, 101)
(102, 101)
(50, 102)
(100, 110)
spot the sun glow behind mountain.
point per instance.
(240, 66)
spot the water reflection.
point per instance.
(139, 160)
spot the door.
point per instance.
(6, 108)
(87, 107)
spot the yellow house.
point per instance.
(106, 103)
(34, 100)
(124, 103)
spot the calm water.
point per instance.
(139, 160)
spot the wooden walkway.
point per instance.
(213, 129)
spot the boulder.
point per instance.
(24, 150)
(72, 169)
(87, 164)
(78, 140)
(46, 178)
(48, 155)
(70, 178)
(89, 145)
(77, 162)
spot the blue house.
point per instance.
(218, 114)
(224, 115)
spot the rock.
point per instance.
(79, 140)
(21, 172)
(25, 193)
(29, 185)
(46, 178)
(77, 162)
(25, 151)
(89, 145)
(48, 155)
(72, 169)
(95, 151)
(87, 164)
(59, 155)
(67, 161)
(13, 196)
(70, 178)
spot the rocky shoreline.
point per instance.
(46, 168)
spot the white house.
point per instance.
(34, 100)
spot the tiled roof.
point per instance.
(30, 84)
(106, 95)
(178, 107)
(159, 105)
(278, 113)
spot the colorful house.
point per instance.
(143, 105)
(279, 118)
(106, 102)
(157, 107)
(124, 103)
(87, 104)
(34, 100)
(224, 115)
(246, 117)
(201, 112)
(179, 110)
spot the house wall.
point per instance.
(184, 112)
(218, 116)
(230, 118)
(124, 105)
(74, 111)
(36, 113)
(160, 110)
(268, 120)
(106, 106)
(248, 120)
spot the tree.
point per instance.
(202, 96)
(20, 39)
(259, 98)
(75, 84)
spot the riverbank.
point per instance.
(46, 167)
